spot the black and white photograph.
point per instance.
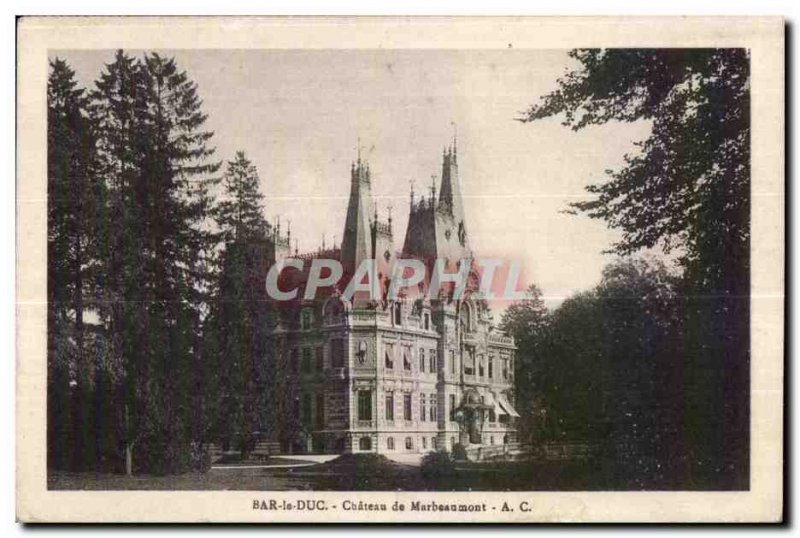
(484, 270)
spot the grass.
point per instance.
(362, 472)
(346, 473)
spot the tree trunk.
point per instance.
(128, 445)
(129, 459)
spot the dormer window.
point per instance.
(306, 319)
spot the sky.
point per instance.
(300, 115)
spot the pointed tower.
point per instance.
(449, 169)
(357, 237)
(450, 202)
(437, 227)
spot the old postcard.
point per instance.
(492, 270)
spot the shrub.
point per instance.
(437, 465)
(459, 452)
(170, 458)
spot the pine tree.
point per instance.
(156, 163)
(240, 317)
(240, 213)
(180, 167)
(75, 196)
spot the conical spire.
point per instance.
(356, 239)
(449, 173)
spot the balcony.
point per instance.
(501, 339)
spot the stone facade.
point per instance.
(412, 375)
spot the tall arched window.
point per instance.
(397, 313)
(466, 317)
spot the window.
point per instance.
(421, 359)
(452, 361)
(397, 313)
(389, 356)
(390, 406)
(481, 372)
(433, 443)
(365, 443)
(295, 360)
(306, 365)
(333, 310)
(406, 360)
(491, 440)
(427, 321)
(452, 407)
(491, 367)
(432, 408)
(424, 442)
(337, 353)
(409, 443)
(505, 368)
(432, 361)
(305, 319)
(407, 406)
(320, 418)
(422, 407)
(492, 416)
(306, 407)
(469, 366)
(364, 405)
(390, 443)
(466, 324)
(319, 358)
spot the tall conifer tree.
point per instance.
(156, 161)
(74, 204)
(240, 318)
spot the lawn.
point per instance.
(348, 473)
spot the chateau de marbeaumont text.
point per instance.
(410, 375)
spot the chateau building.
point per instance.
(390, 376)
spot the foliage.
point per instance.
(239, 314)
(527, 321)
(689, 186)
(437, 465)
(687, 190)
(239, 211)
(459, 452)
(150, 161)
(613, 367)
(75, 200)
